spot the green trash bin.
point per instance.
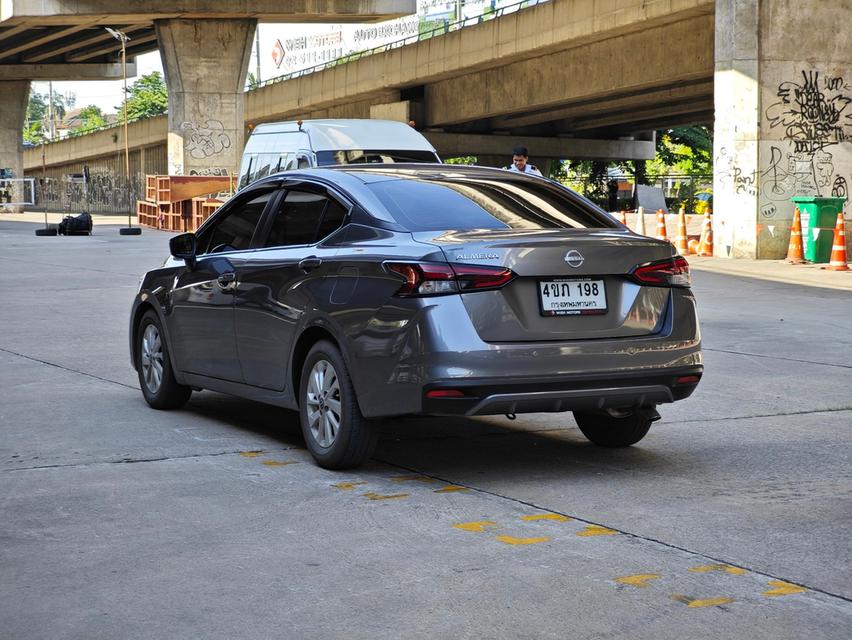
(818, 213)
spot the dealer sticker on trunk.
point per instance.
(572, 297)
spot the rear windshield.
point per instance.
(358, 156)
(437, 204)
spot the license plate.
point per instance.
(572, 297)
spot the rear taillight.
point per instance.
(671, 272)
(430, 279)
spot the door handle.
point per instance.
(227, 281)
(309, 264)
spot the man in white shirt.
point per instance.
(520, 157)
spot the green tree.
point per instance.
(683, 151)
(37, 115)
(91, 118)
(146, 97)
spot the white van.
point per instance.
(279, 146)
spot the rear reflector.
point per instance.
(444, 393)
(671, 272)
(430, 279)
(687, 380)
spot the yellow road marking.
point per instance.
(279, 463)
(547, 516)
(519, 541)
(250, 454)
(450, 488)
(475, 526)
(783, 588)
(698, 604)
(736, 571)
(639, 580)
(596, 530)
(378, 496)
(347, 486)
(423, 479)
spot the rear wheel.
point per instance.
(616, 429)
(335, 432)
(154, 365)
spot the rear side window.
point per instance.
(304, 218)
(436, 204)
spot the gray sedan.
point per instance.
(362, 292)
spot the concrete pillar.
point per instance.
(13, 109)
(783, 99)
(205, 63)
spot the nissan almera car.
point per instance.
(356, 293)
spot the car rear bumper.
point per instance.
(587, 393)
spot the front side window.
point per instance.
(304, 218)
(234, 231)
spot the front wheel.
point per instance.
(615, 430)
(154, 366)
(335, 432)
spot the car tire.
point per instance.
(610, 431)
(154, 366)
(326, 398)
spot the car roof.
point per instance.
(348, 134)
(379, 172)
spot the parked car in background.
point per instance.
(280, 146)
(368, 291)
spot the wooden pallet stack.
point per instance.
(180, 203)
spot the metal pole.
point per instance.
(257, 51)
(50, 125)
(126, 141)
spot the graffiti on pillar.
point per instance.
(813, 114)
(205, 140)
(729, 173)
(210, 171)
(840, 188)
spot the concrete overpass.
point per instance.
(592, 78)
(205, 48)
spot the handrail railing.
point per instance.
(424, 35)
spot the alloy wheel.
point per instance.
(323, 403)
(152, 359)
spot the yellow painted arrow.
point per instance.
(547, 516)
(719, 567)
(697, 604)
(475, 526)
(521, 541)
(347, 486)
(379, 496)
(596, 530)
(639, 580)
(783, 588)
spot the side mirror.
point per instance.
(183, 246)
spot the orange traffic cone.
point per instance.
(622, 217)
(838, 247)
(681, 239)
(692, 245)
(705, 244)
(661, 226)
(795, 252)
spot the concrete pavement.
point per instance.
(730, 519)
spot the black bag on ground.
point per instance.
(76, 225)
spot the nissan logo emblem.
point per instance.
(573, 258)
